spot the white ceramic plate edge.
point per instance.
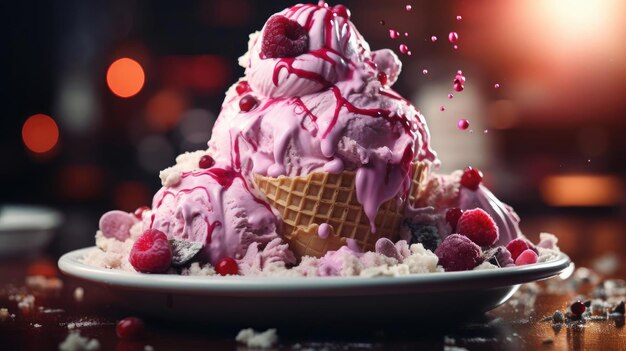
(255, 286)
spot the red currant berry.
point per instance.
(341, 11)
(227, 266)
(578, 308)
(471, 178)
(129, 328)
(206, 161)
(382, 77)
(452, 217)
(139, 211)
(247, 103)
(242, 87)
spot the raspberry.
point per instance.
(151, 253)
(519, 245)
(452, 217)
(527, 257)
(471, 178)
(458, 253)
(129, 328)
(477, 225)
(283, 37)
(206, 161)
(247, 103)
(227, 266)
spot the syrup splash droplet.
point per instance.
(456, 47)
(393, 34)
(381, 22)
(442, 108)
(462, 124)
(485, 131)
(496, 85)
(424, 71)
(433, 38)
(453, 37)
(409, 7)
(404, 49)
(450, 96)
(458, 86)
(458, 18)
(458, 82)
(406, 34)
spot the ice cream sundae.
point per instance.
(316, 167)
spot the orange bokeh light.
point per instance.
(125, 77)
(40, 133)
(164, 109)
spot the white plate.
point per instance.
(274, 301)
(26, 229)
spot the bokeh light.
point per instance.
(129, 195)
(40, 133)
(155, 153)
(125, 77)
(574, 190)
(164, 109)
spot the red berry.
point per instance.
(382, 77)
(151, 253)
(341, 11)
(227, 266)
(452, 217)
(129, 328)
(526, 257)
(247, 103)
(242, 87)
(458, 253)
(283, 37)
(206, 161)
(578, 308)
(478, 226)
(471, 178)
(519, 245)
(138, 212)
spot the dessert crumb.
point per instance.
(40, 282)
(79, 294)
(252, 338)
(26, 302)
(4, 314)
(75, 342)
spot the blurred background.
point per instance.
(99, 96)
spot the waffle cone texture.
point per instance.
(306, 202)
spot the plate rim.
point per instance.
(257, 286)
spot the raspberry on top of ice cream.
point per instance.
(302, 50)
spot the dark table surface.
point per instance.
(523, 323)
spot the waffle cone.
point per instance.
(305, 202)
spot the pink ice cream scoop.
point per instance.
(212, 207)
